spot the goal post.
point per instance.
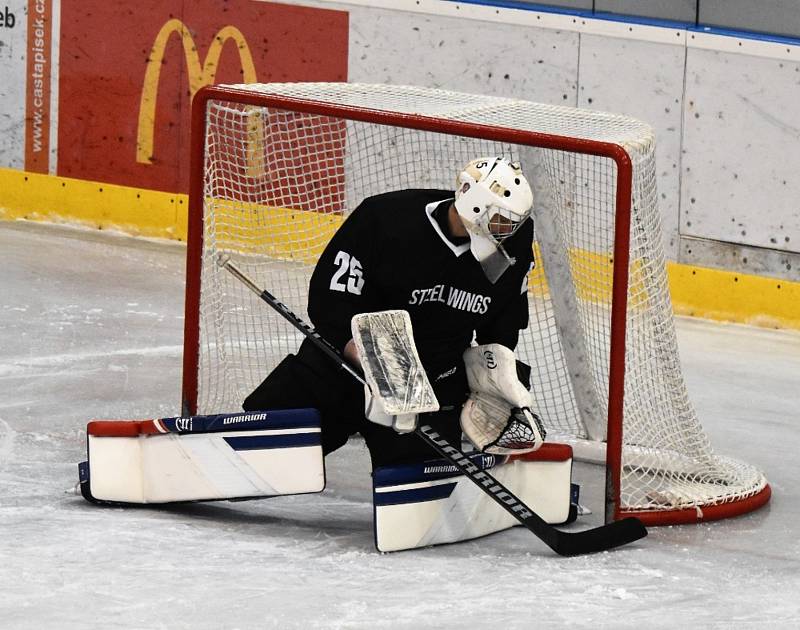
(275, 168)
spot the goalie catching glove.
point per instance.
(497, 417)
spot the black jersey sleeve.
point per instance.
(508, 316)
(341, 283)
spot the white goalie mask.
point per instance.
(493, 199)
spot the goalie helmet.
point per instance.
(493, 199)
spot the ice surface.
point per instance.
(91, 327)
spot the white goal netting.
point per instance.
(278, 181)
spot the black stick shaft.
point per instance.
(283, 310)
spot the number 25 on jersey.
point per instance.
(348, 277)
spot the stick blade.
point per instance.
(602, 538)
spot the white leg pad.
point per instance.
(431, 504)
(279, 453)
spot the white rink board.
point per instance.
(451, 53)
(12, 84)
(641, 79)
(742, 150)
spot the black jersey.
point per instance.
(391, 253)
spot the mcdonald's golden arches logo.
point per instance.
(199, 74)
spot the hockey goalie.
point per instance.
(425, 292)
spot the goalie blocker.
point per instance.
(203, 458)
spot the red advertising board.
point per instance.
(128, 72)
(37, 97)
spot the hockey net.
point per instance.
(277, 167)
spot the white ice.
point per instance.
(91, 327)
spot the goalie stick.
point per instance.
(600, 538)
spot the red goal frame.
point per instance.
(623, 200)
